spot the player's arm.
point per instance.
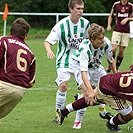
(109, 23)
(84, 59)
(52, 38)
(110, 18)
(2, 50)
(91, 93)
(125, 20)
(109, 55)
(49, 51)
(112, 65)
(130, 18)
(32, 73)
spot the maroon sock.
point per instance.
(118, 119)
(65, 112)
(114, 55)
(79, 104)
(118, 61)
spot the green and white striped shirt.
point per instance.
(69, 37)
(89, 57)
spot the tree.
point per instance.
(55, 6)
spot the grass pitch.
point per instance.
(34, 114)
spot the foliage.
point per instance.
(55, 6)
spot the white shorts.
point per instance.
(93, 74)
(77, 72)
(63, 75)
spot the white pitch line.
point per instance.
(41, 88)
(46, 88)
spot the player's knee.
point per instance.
(63, 87)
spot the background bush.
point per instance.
(54, 6)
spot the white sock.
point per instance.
(80, 114)
(102, 109)
(60, 99)
(111, 121)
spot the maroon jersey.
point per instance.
(122, 11)
(118, 84)
(17, 62)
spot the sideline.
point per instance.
(40, 88)
(46, 88)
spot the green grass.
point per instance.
(37, 109)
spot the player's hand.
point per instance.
(85, 92)
(50, 55)
(124, 21)
(92, 97)
(109, 28)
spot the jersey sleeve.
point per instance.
(32, 71)
(108, 50)
(112, 10)
(54, 35)
(1, 50)
(84, 60)
(86, 31)
(132, 12)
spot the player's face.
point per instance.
(99, 41)
(77, 11)
(124, 1)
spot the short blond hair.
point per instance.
(95, 30)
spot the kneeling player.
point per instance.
(114, 90)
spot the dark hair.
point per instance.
(20, 28)
(72, 3)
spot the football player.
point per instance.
(113, 90)
(88, 59)
(17, 66)
(123, 12)
(68, 32)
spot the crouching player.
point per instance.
(114, 90)
(17, 66)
